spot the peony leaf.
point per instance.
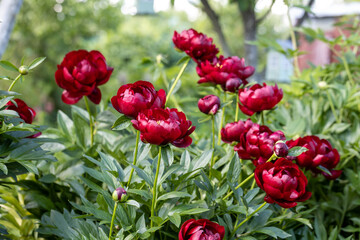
(9, 66)
(324, 169)
(121, 123)
(36, 62)
(296, 151)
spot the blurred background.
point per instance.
(135, 36)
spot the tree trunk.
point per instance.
(214, 18)
(250, 28)
(8, 11)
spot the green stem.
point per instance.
(112, 220)
(253, 184)
(347, 69)
(221, 121)
(177, 78)
(241, 184)
(135, 157)
(262, 118)
(13, 82)
(237, 108)
(153, 203)
(293, 41)
(247, 179)
(213, 145)
(332, 106)
(90, 120)
(248, 217)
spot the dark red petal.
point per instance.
(68, 98)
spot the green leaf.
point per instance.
(49, 178)
(183, 60)
(6, 78)
(296, 151)
(194, 211)
(203, 160)
(324, 169)
(9, 66)
(121, 123)
(175, 219)
(36, 62)
(173, 195)
(273, 232)
(234, 171)
(167, 155)
(3, 168)
(143, 175)
(6, 93)
(65, 123)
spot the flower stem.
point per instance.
(262, 118)
(13, 82)
(213, 144)
(237, 108)
(177, 78)
(248, 217)
(247, 179)
(135, 157)
(332, 106)
(241, 184)
(293, 41)
(153, 203)
(90, 120)
(112, 219)
(221, 121)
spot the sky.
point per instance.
(193, 12)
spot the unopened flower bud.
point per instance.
(322, 84)
(23, 70)
(281, 149)
(119, 195)
(209, 104)
(233, 84)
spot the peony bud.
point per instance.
(209, 104)
(119, 195)
(233, 84)
(23, 70)
(281, 149)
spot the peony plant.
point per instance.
(153, 177)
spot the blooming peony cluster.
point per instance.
(230, 73)
(200, 230)
(80, 73)
(283, 182)
(320, 153)
(254, 142)
(258, 98)
(25, 112)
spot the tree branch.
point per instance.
(214, 18)
(259, 20)
(305, 15)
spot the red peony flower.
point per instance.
(209, 104)
(283, 182)
(134, 97)
(320, 152)
(80, 73)
(257, 143)
(201, 229)
(258, 98)
(25, 112)
(233, 132)
(197, 45)
(162, 126)
(230, 73)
